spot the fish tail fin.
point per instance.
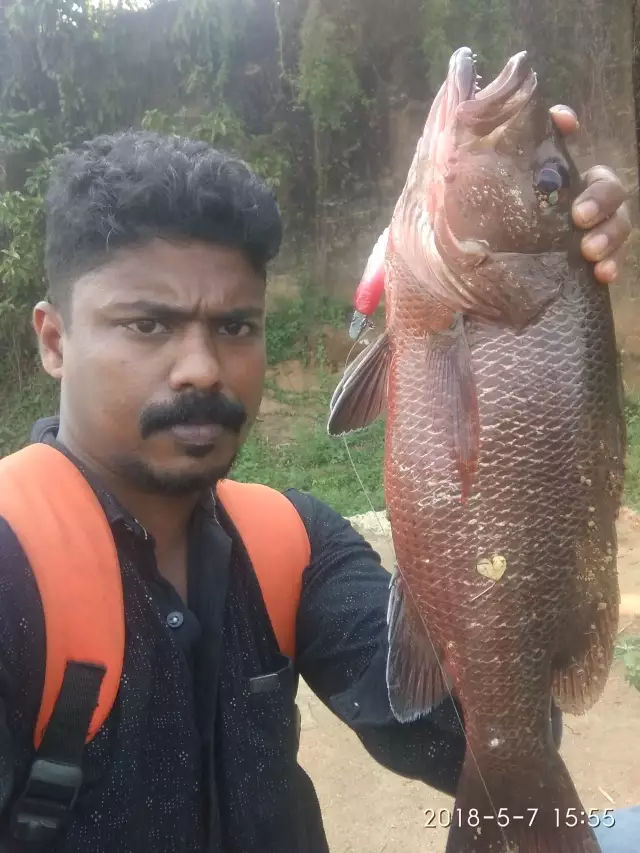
(535, 809)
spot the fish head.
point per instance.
(488, 195)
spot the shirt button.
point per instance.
(175, 619)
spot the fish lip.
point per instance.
(516, 72)
(462, 71)
(501, 100)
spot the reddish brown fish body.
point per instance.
(504, 459)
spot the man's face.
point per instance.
(162, 364)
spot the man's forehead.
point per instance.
(178, 275)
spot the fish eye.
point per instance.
(549, 184)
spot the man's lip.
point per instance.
(197, 434)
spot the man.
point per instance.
(156, 257)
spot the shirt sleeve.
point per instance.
(342, 652)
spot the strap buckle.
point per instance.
(49, 796)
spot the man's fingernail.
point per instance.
(587, 211)
(609, 270)
(596, 244)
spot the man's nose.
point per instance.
(196, 365)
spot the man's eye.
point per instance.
(147, 327)
(235, 329)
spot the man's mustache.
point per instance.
(193, 409)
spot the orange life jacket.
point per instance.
(76, 567)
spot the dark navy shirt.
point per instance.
(192, 758)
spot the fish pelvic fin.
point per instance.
(449, 359)
(531, 807)
(361, 394)
(415, 679)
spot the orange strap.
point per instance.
(76, 567)
(278, 546)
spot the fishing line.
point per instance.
(353, 464)
(445, 680)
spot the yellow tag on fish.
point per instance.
(493, 568)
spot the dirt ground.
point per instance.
(367, 809)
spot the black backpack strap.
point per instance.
(77, 571)
(52, 787)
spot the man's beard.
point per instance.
(169, 484)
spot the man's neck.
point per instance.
(166, 518)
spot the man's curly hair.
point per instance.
(129, 188)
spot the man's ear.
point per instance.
(49, 328)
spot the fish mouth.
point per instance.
(464, 114)
(482, 110)
(464, 119)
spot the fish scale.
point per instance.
(504, 455)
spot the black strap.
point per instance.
(55, 777)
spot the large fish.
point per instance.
(505, 441)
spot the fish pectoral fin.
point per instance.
(453, 391)
(416, 680)
(362, 392)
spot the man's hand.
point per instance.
(600, 209)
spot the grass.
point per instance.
(314, 462)
(21, 407)
(632, 462)
(628, 650)
(310, 460)
(292, 322)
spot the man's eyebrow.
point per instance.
(170, 312)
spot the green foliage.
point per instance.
(291, 324)
(22, 406)
(222, 128)
(313, 462)
(21, 265)
(288, 85)
(327, 83)
(484, 25)
(203, 39)
(632, 462)
(579, 50)
(628, 650)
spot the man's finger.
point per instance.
(600, 200)
(607, 271)
(565, 119)
(601, 242)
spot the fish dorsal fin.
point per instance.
(362, 392)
